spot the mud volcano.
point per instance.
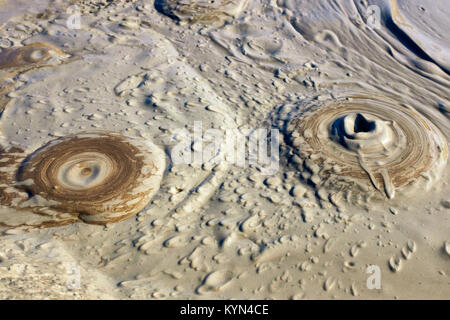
(14, 61)
(367, 145)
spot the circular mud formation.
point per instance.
(96, 177)
(370, 147)
(204, 11)
(27, 55)
(14, 61)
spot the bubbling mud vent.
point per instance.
(27, 55)
(98, 177)
(200, 11)
(367, 147)
(17, 60)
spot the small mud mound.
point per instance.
(29, 55)
(369, 145)
(96, 177)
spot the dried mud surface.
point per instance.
(362, 179)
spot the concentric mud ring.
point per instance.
(100, 177)
(367, 144)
